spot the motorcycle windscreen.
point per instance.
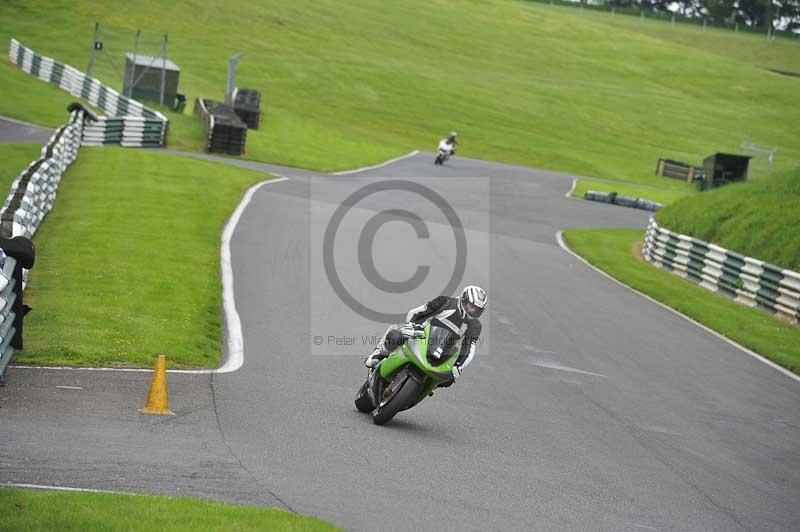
(442, 344)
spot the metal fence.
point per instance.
(749, 281)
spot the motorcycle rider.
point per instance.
(451, 142)
(459, 314)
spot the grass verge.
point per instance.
(611, 250)
(664, 196)
(26, 510)
(759, 218)
(128, 261)
(14, 158)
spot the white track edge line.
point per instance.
(235, 340)
(563, 245)
(376, 166)
(572, 188)
(59, 488)
(235, 358)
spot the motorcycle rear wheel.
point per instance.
(404, 397)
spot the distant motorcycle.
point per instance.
(443, 152)
(409, 374)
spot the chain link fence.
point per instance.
(107, 57)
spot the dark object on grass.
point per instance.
(225, 132)
(77, 106)
(246, 103)
(624, 201)
(723, 168)
(180, 103)
(23, 250)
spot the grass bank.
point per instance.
(26, 510)
(611, 250)
(352, 83)
(759, 218)
(14, 158)
(664, 196)
(128, 261)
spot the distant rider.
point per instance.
(450, 142)
(459, 314)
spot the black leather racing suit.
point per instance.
(444, 312)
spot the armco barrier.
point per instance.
(747, 280)
(129, 122)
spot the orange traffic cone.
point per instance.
(158, 397)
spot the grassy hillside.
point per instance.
(758, 218)
(349, 83)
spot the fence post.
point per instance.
(163, 69)
(94, 48)
(132, 78)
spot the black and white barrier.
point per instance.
(129, 123)
(18, 256)
(749, 281)
(33, 192)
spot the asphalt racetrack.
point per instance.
(587, 408)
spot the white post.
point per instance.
(163, 70)
(232, 62)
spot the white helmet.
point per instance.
(472, 301)
(452, 135)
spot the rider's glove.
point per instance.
(412, 330)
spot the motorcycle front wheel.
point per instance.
(363, 400)
(403, 397)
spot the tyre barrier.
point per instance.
(246, 104)
(224, 131)
(746, 280)
(32, 196)
(33, 192)
(129, 131)
(624, 201)
(124, 114)
(8, 298)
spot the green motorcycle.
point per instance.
(409, 374)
